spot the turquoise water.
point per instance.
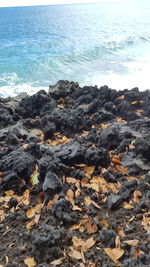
(105, 43)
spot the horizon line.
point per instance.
(59, 4)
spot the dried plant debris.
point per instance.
(75, 178)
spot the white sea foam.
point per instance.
(13, 90)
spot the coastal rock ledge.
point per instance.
(75, 177)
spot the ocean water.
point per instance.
(105, 43)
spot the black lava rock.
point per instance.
(51, 185)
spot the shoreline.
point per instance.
(75, 177)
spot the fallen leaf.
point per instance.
(121, 169)
(6, 259)
(87, 200)
(57, 262)
(128, 206)
(120, 231)
(26, 197)
(89, 243)
(9, 192)
(88, 170)
(104, 126)
(136, 196)
(11, 245)
(77, 243)
(134, 102)
(132, 219)
(91, 227)
(71, 180)
(136, 254)
(30, 224)
(139, 112)
(30, 212)
(40, 197)
(104, 223)
(34, 178)
(117, 241)
(37, 218)
(114, 254)
(121, 97)
(70, 193)
(131, 243)
(74, 254)
(120, 120)
(75, 226)
(30, 262)
(51, 202)
(38, 208)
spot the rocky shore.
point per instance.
(75, 178)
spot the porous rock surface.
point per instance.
(89, 149)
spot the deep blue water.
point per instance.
(105, 43)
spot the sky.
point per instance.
(4, 3)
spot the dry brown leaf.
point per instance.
(136, 254)
(70, 193)
(77, 243)
(2, 215)
(9, 192)
(91, 227)
(121, 169)
(134, 102)
(74, 254)
(11, 245)
(132, 219)
(128, 206)
(104, 126)
(104, 223)
(40, 197)
(80, 244)
(76, 226)
(57, 262)
(71, 180)
(30, 224)
(38, 208)
(77, 193)
(83, 258)
(30, 212)
(120, 231)
(136, 196)
(116, 158)
(121, 97)
(6, 259)
(89, 243)
(25, 146)
(131, 243)
(26, 197)
(88, 170)
(117, 241)
(114, 254)
(37, 218)
(87, 201)
(75, 207)
(30, 262)
(120, 120)
(51, 202)
(139, 112)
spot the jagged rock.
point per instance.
(19, 162)
(50, 244)
(114, 201)
(62, 211)
(52, 185)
